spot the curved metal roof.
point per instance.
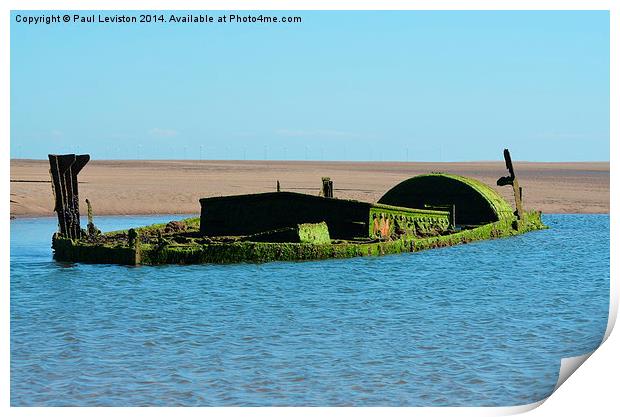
(475, 201)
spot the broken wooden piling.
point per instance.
(328, 187)
(64, 170)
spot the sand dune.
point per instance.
(150, 187)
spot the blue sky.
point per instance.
(379, 86)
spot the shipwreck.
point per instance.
(426, 211)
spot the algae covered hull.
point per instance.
(189, 248)
(423, 212)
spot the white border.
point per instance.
(593, 388)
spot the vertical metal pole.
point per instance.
(512, 180)
(453, 216)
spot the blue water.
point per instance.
(479, 324)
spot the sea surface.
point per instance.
(482, 324)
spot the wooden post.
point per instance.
(90, 212)
(328, 187)
(91, 229)
(64, 170)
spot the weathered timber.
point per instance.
(64, 170)
(328, 187)
(91, 229)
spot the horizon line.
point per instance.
(325, 161)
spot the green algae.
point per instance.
(476, 202)
(394, 222)
(315, 233)
(263, 227)
(258, 252)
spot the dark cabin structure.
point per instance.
(248, 214)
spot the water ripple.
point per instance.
(477, 325)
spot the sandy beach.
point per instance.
(162, 187)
